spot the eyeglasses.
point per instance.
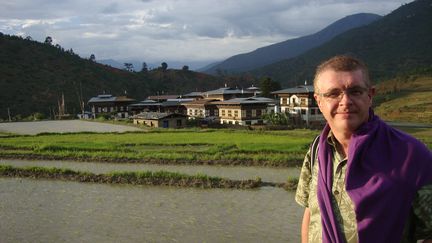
(337, 94)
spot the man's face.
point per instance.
(344, 99)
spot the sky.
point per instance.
(184, 32)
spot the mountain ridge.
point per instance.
(292, 47)
(399, 42)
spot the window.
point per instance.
(236, 113)
(216, 112)
(303, 111)
(229, 113)
(179, 122)
(223, 112)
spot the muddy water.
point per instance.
(57, 211)
(231, 172)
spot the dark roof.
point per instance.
(226, 90)
(162, 97)
(157, 115)
(249, 100)
(301, 89)
(201, 102)
(193, 94)
(109, 98)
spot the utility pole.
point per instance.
(9, 114)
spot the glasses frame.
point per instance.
(337, 94)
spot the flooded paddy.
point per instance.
(269, 174)
(57, 211)
(32, 128)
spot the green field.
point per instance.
(273, 148)
(209, 146)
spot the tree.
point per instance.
(144, 68)
(185, 68)
(267, 85)
(48, 40)
(92, 58)
(129, 67)
(164, 66)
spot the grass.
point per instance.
(140, 178)
(405, 99)
(274, 148)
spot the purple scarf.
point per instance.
(385, 169)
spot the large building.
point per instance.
(244, 111)
(227, 93)
(300, 102)
(110, 105)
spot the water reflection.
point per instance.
(232, 172)
(57, 211)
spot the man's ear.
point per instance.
(372, 91)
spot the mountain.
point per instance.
(34, 76)
(399, 42)
(290, 48)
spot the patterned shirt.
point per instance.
(419, 225)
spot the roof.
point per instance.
(157, 115)
(227, 90)
(109, 98)
(249, 100)
(253, 88)
(301, 89)
(193, 94)
(162, 97)
(201, 102)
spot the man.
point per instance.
(369, 182)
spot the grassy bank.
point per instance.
(163, 178)
(270, 148)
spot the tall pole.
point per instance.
(9, 114)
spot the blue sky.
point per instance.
(193, 32)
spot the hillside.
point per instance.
(399, 42)
(33, 77)
(405, 99)
(290, 48)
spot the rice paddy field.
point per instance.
(207, 146)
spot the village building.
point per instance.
(166, 106)
(193, 95)
(116, 106)
(159, 119)
(203, 109)
(299, 102)
(227, 93)
(244, 111)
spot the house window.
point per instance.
(99, 110)
(229, 113)
(179, 122)
(223, 112)
(258, 112)
(253, 113)
(216, 112)
(303, 111)
(236, 113)
(243, 113)
(121, 108)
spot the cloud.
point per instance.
(196, 30)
